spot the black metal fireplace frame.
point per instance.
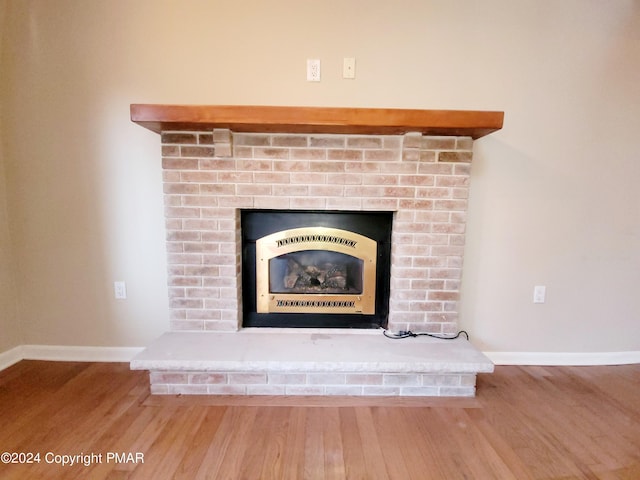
(258, 223)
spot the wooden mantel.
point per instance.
(366, 121)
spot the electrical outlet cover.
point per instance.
(313, 70)
(349, 68)
(120, 290)
(539, 293)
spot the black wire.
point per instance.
(409, 333)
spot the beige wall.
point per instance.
(10, 328)
(10, 331)
(553, 198)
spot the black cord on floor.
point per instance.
(409, 333)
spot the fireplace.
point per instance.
(221, 162)
(315, 268)
(364, 227)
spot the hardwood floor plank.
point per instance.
(372, 445)
(501, 445)
(385, 422)
(33, 383)
(549, 410)
(272, 430)
(529, 403)
(120, 437)
(225, 456)
(486, 463)
(450, 461)
(263, 458)
(354, 458)
(333, 446)
(416, 451)
(294, 448)
(430, 462)
(171, 446)
(199, 444)
(314, 445)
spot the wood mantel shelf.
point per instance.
(366, 121)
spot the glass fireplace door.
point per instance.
(315, 270)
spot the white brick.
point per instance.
(226, 389)
(381, 391)
(286, 378)
(401, 379)
(343, 390)
(326, 379)
(187, 389)
(304, 390)
(265, 389)
(420, 391)
(457, 391)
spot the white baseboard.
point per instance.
(79, 354)
(10, 357)
(67, 354)
(564, 358)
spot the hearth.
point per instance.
(315, 268)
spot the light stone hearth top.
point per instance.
(309, 350)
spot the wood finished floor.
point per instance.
(526, 422)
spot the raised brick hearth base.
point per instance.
(303, 362)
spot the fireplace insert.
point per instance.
(315, 268)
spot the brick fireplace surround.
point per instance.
(390, 161)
